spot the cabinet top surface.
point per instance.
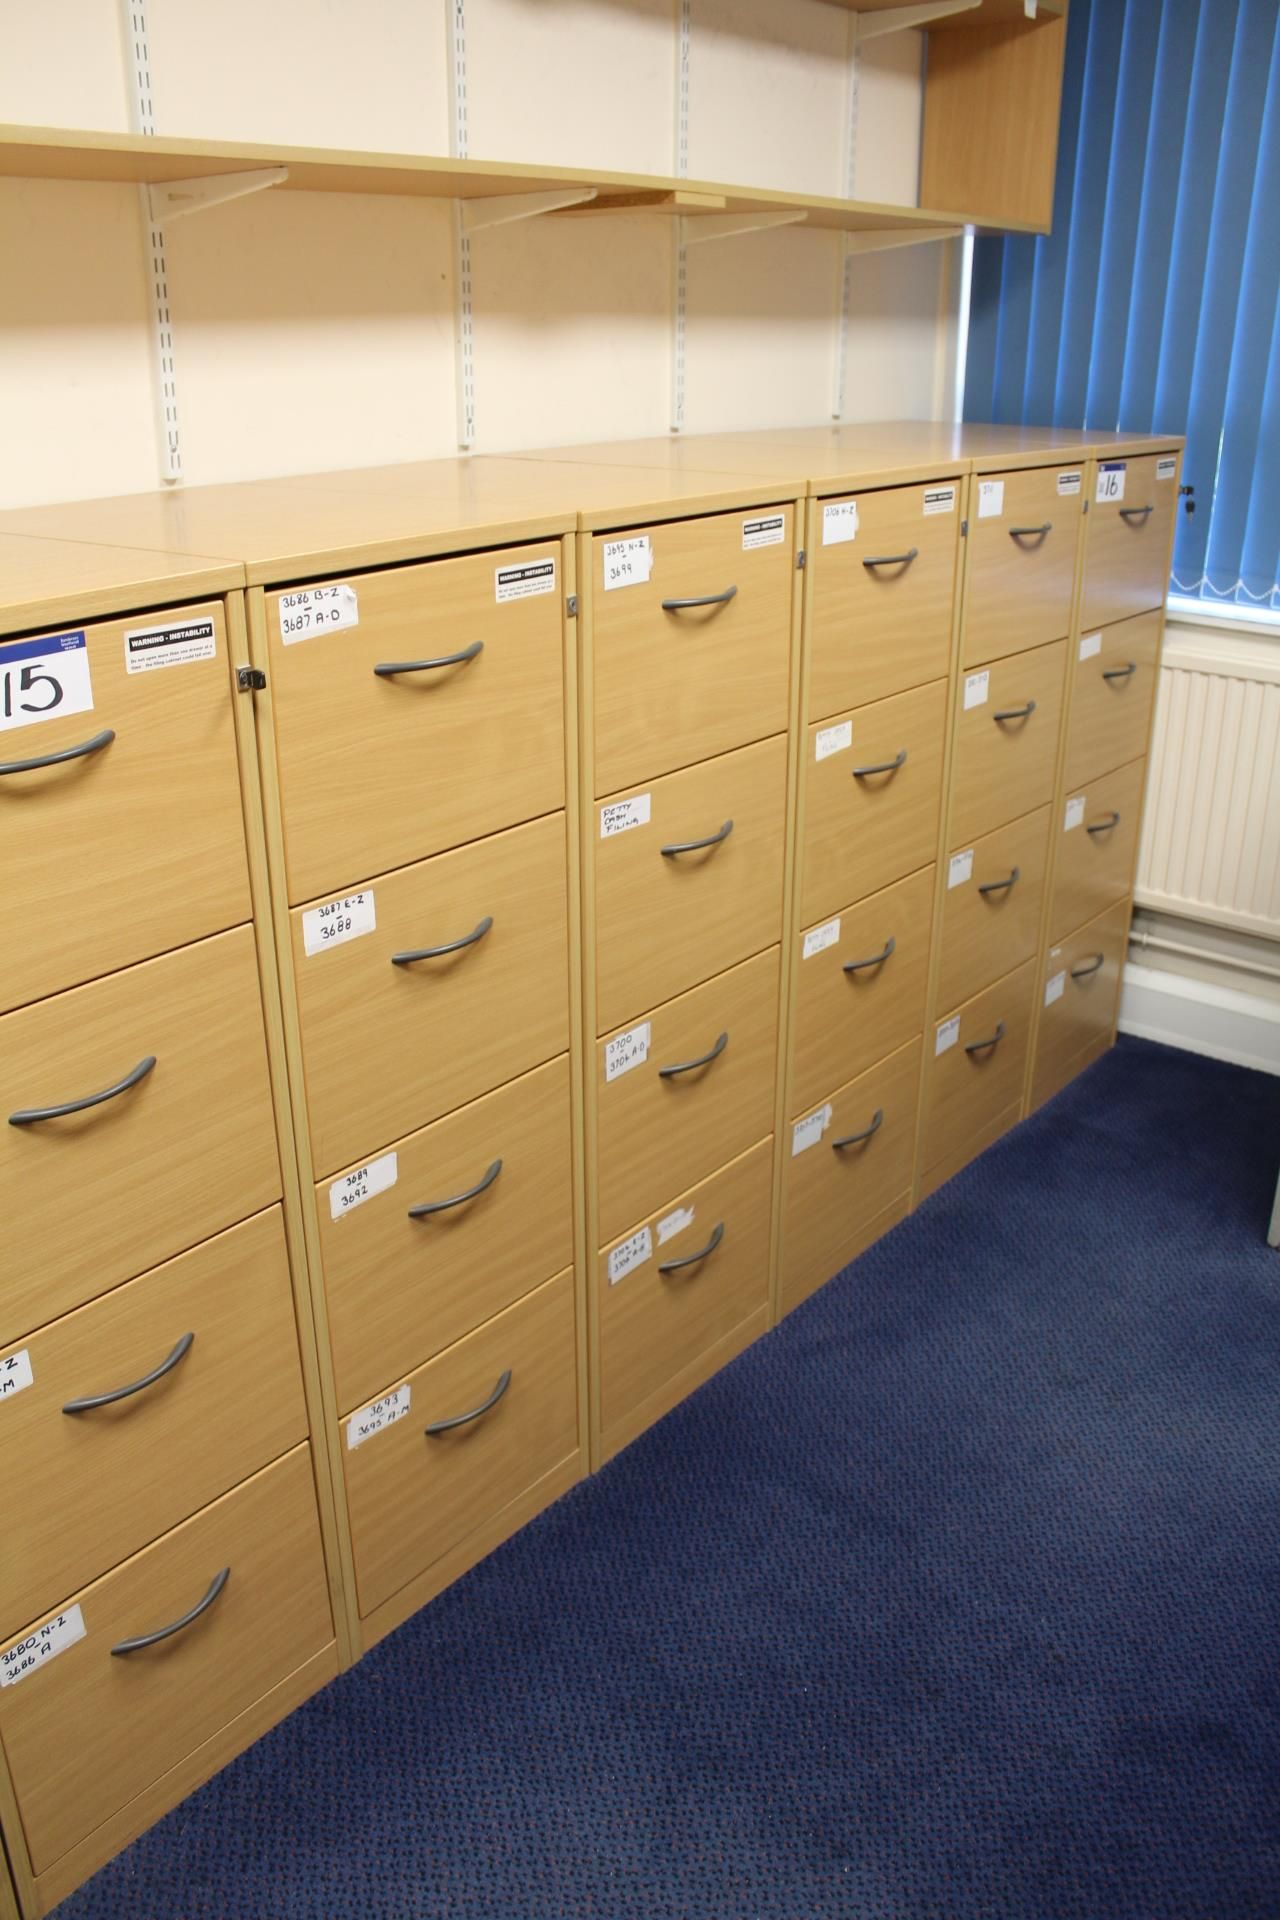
(49, 581)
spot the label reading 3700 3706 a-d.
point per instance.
(177, 645)
(523, 581)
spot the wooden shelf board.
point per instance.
(990, 13)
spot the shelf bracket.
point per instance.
(501, 209)
(876, 239)
(171, 199)
(723, 226)
(898, 19)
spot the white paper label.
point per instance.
(818, 939)
(382, 1413)
(44, 679)
(355, 1188)
(839, 522)
(1054, 987)
(829, 740)
(627, 563)
(146, 648)
(674, 1223)
(15, 1374)
(630, 1254)
(946, 1036)
(523, 581)
(619, 816)
(1075, 813)
(1166, 468)
(54, 1637)
(1069, 483)
(960, 869)
(807, 1133)
(990, 499)
(1029, 8)
(338, 921)
(770, 532)
(315, 610)
(939, 499)
(1111, 481)
(976, 688)
(626, 1050)
(1090, 643)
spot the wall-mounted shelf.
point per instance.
(977, 13)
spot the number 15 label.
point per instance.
(44, 679)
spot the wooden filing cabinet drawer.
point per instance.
(860, 987)
(667, 1120)
(1130, 530)
(86, 1728)
(695, 659)
(992, 906)
(135, 845)
(403, 1283)
(978, 1073)
(1080, 990)
(1114, 684)
(1023, 532)
(873, 783)
(1006, 746)
(666, 920)
(660, 1316)
(482, 1422)
(93, 1197)
(1097, 837)
(882, 602)
(845, 1163)
(378, 768)
(195, 1368)
(460, 983)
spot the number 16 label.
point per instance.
(44, 679)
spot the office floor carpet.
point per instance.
(956, 1598)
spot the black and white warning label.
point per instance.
(146, 648)
(519, 583)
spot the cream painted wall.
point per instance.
(317, 331)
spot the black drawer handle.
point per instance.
(457, 1199)
(692, 1259)
(476, 1413)
(893, 559)
(1135, 513)
(30, 1115)
(696, 846)
(389, 667)
(703, 1060)
(1104, 826)
(873, 960)
(982, 1046)
(93, 1400)
(884, 766)
(1016, 713)
(854, 1139)
(1002, 886)
(449, 946)
(1031, 533)
(1098, 961)
(1120, 673)
(142, 1640)
(98, 742)
(699, 600)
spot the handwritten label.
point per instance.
(1069, 483)
(764, 533)
(1167, 468)
(1075, 813)
(976, 688)
(990, 499)
(839, 522)
(674, 1223)
(522, 582)
(379, 1416)
(1090, 644)
(1054, 988)
(1111, 481)
(831, 740)
(353, 1189)
(818, 939)
(37, 1648)
(15, 1373)
(619, 816)
(313, 610)
(939, 499)
(338, 921)
(960, 869)
(44, 680)
(946, 1036)
(630, 1254)
(626, 1050)
(146, 648)
(627, 563)
(807, 1133)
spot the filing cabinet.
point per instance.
(976, 1062)
(1023, 532)
(1081, 986)
(992, 906)
(1113, 687)
(1097, 846)
(1006, 740)
(1129, 539)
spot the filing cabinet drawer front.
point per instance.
(389, 1045)
(1096, 856)
(92, 1484)
(656, 1127)
(136, 846)
(414, 1495)
(989, 927)
(833, 1190)
(653, 1324)
(965, 1091)
(871, 809)
(1020, 581)
(883, 602)
(1004, 768)
(378, 770)
(401, 1288)
(664, 922)
(672, 685)
(95, 1197)
(861, 996)
(1126, 560)
(1081, 987)
(87, 1731)
(1114, 679)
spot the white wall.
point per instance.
(316, 331)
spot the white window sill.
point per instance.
(1190, 611)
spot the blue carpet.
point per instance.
(956, 1598)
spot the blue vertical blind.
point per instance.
(1154, 305)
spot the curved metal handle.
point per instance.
(885, 766)
(1082, 973)
(1031, 533)
(696, 846)
(893, 559)
(387, 668)
(1136, 513)
(1016, 713)
(692, 1259)
(873, 960)
(703, 1060)
(476, 1413)
(28, 1116)
(1002, 886)
(1104, 826)
(853, 1139)
(458, 1199)
(1120, 673)
(142, 1640)
(93, 1400)
(98, 742)
(981, 1046)
(449, 946)
(699, 600)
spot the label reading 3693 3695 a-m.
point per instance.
(378, 1415)
(38, 1648)
(177, 645)
(523, 581)
(312, 610)
(339, 920)
(44, 679)
(15, 1374)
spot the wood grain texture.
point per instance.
(792, 1289)
(1110, 718)
(1094, 870)
(1126, 555)
(1019, 589)
(967, 1149)
(47, 581)
(1082, 1012)
(993, 95)
(1003, 769)
(964, 1092)
(986, 935)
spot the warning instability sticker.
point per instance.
(146, 648)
